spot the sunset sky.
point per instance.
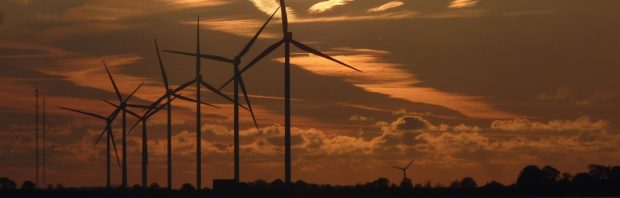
(475, 88)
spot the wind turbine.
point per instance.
(287, 40)
(168, 96)
(143, 119)
(122, 108)
(238, 83)
(404, 169)
(110, 137)
(200, 82)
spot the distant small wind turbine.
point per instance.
(404, 169)
(110, 137)
(287, 40)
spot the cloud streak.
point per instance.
(387, 6)
(328, 5)
(390, 79)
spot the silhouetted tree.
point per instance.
(136, 187)
(428, 184)
(582, 179)
(614, 174)
(566, 177)
(455, 184)
(60, 186)
(550, 174)
(277, 184)
(380, 183)
(468, 182)
(300, 185)
(187, 187)
(531, 177)
(598, 172)
(154, 186)
(28, 185)
(7, 184)
(494, 185)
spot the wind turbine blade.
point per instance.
(83, 112)
(406, 167)
(247, 100)
(101, 134)
(112, 104)
(134, 92)
(316, 52)
(206, 56)
(118, 93)
(284, 17)
(396, 167)
(161, 66)
(193, 100)
(214, 90)
(255, 60)
(151, 113)
(133, 114)
(249, 45)
(137, 106)
(219, 93)
(134, 126)
(183, 86)
(111, 118)
(115, 150)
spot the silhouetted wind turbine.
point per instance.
(123, 110)
(200, 82)
(110, 137)
(287, 40)
(404, 169)
(238, 82)
(143, 119)
(170, 93)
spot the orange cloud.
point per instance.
(583, 123)
(387, 6)
(325, 6)
(462, 3)
(239, 27)
(390, 79)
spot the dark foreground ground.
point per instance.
(332, 192)
(599, 181)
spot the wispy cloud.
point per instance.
(324, 6)
(15, 50)
(462, 3)
(384, 16)
(390, 79)
(269, 6)
(239, 27)
(387, 6)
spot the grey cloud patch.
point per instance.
(408, 123)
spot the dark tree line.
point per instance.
(599, 180)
